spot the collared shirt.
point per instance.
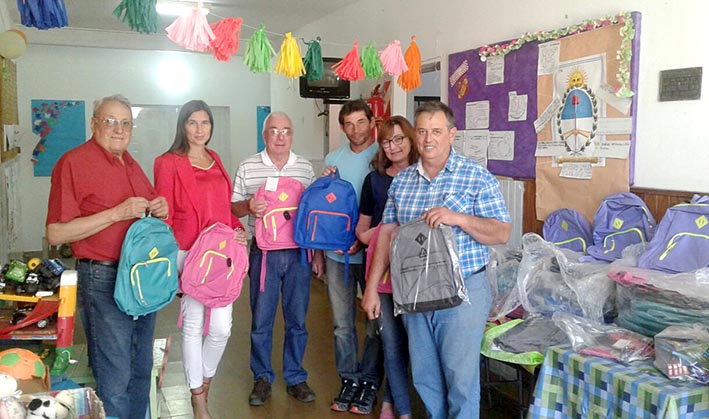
(88, 179)
(255, 170)
(462, 186)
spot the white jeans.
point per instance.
(200, 354)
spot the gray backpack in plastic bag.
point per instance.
(425, 270)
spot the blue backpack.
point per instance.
(327, 216)
(569, 229)
(622, 219)
(681, 243)
(146, 280)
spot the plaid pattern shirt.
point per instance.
(462, 186)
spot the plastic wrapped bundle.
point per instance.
(682, 352)
(649, 301)
(502, 268)
(604, 340)
(552, 279)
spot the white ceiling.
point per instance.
(94, 21)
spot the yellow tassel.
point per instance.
(411, 78)
(290, 62)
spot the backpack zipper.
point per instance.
(273, 219)
(640, 233)
(315, 220)
(209, 266)
(135, 276)
(672, 243)
(583, 242)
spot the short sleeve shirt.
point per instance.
(88, 179)
(255, 170)
(462, 186)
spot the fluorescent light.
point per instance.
(177, 8)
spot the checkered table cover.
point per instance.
(575, 386)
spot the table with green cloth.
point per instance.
(572, 385)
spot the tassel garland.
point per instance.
(191, 31)
(349, 68)
(411, 78)
(259, 52)
(140, 15)
(226, 38)
(313, 61)
(371, 63)
(290, 62)
(392, 59)
(42, 14)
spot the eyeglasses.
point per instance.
(396, 141)
(114, 123)
(286, 132)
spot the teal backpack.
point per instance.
(147, 271)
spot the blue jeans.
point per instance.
(396, 356)
(343, 301)
(120, 348)
(284, 274)
(444, 346)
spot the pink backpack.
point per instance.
(384, 285)
(214, 269)
(274, 231)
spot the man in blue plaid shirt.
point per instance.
(445, 188)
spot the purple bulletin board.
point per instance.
(521, 77)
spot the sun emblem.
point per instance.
(577, 78)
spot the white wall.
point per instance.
(79, 73)
(671, 148)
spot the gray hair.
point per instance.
(119, 98)
(276, 113)
(436, 106)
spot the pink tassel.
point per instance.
(191, 31)
(349, 68)
(392, 59)
(226, 38)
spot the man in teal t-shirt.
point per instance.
(360, 380)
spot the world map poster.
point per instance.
(61, 126)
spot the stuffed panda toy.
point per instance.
(46, 407)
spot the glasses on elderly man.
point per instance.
(286, 132)
(395, 140)
(114, 123)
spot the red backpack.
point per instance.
(214, 269)
(274, 231)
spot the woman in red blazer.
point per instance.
(198, 191)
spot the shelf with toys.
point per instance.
(41, 301)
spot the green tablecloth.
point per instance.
(575, 386)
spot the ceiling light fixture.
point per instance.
(171, 8)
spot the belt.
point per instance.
(109, 263)
(481, 270)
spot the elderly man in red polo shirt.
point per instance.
(97, 191)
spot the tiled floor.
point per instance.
(228, 397)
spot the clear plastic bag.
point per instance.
(552, 279)
(604, 340)
(649, 301)
(425, 269)
(682, 352)
(502, 269)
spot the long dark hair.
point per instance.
(181, 146)
(381, 162)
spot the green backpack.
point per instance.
(147, 270)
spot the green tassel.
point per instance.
(313, 61)
(259, 52)
(371, 63)
(140, 15)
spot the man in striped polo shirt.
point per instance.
(284, 270)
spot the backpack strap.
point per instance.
(262, 280)
(207, 319)
(347, 266)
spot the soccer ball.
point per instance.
(22, 364)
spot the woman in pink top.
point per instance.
(198, 190)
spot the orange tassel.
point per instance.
(411, 78)
(350, 68)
